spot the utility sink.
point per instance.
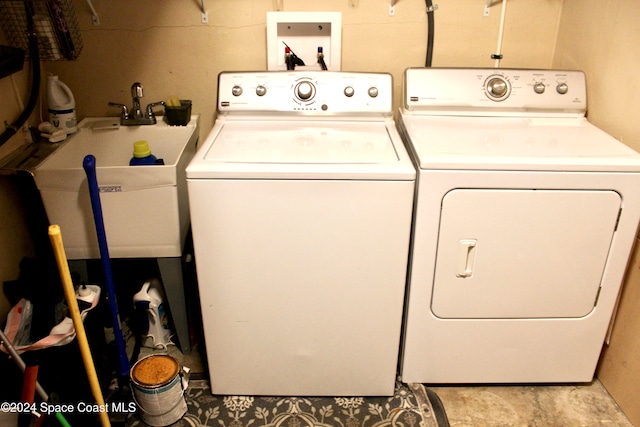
(145, 208)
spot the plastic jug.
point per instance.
(155, 332)
(62, 105)
(142, 155)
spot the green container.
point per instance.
(178, 116)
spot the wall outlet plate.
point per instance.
(304, 32)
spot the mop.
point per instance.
(89, 165)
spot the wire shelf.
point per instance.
(54, 22)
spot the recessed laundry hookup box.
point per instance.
(145, 208)
(304, 33)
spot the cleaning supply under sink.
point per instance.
(149, 305)
(142, 155)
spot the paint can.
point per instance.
(158, 383)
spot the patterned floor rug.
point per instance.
(412, 405)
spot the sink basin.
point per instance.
(145, 208)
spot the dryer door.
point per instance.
(522, 253)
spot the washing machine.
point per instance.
(301, 201)
(525, 217)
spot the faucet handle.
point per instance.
(125, 111)
(150, 107)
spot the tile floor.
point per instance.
(531, 405)
(505, 405)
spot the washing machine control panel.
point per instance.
(308, 93)
(502, 91)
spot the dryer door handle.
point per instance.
(466, 257)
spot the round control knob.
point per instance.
(349, 91)
(497, 87)
(562, 88)
(236, 90)
(539, 88)
(373, 91)
(261, 90)
(304, 90)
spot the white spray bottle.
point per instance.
(158, 334)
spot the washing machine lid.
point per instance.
(303, 149)
(514, 143)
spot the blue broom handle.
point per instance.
(89, 165)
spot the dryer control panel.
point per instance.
(308, 93)
(477, 91)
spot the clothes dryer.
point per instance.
(524, 221)
(301, 200)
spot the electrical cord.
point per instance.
(430, 20)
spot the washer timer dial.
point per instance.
(305, 91)
(497, 88)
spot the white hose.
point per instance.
(500, 34)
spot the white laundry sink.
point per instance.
(145, 208)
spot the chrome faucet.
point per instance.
(136, 117)
(137, 92)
